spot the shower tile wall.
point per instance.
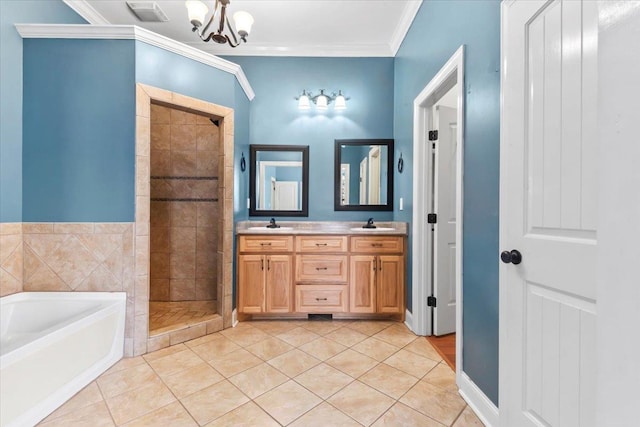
(184, 206)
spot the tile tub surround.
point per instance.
(256, 374)
(321, 227)
(11, 258)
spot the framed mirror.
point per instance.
(363, 179)
(279, 180)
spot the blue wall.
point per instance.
(79, 130)
(12, 12)
(275, 118)
(438, 30)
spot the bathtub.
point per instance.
(52, 344)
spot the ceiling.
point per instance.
(282, 27)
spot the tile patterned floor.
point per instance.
(278, 373)
(169, 316)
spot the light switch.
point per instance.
(401, 205)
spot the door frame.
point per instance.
(451, 73)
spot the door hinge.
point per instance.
(432, 218)
(433, 135)
(431, 301)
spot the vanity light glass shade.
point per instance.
(197, 12)
(340, 102)
(303, 102)
(322, 102)
(243, 21)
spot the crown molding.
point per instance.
(328, 50)
(409, 13)
(84, 9)
(132, 32)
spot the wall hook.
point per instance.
(400, 164)
(243, 163)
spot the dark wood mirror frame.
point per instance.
(338, 161)
(253, 208)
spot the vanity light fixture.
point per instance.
(322, 100)
(197, 11)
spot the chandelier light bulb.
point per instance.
(243, 21)
(197, 12)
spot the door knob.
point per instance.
(513, 257)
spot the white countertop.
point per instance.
(322, 227)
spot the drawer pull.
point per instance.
(321, 299)
(321, 244)
(265, 244)
(321, 268)
(376, 245)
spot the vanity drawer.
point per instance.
(325, 299)
(376, 244)
(264, 244)
(319, 244)
(321, 268)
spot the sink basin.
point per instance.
(265, 228)
(372, 229)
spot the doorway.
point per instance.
(437, 214)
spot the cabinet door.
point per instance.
(390, 284)
(279, 273)
(251, 283)
(362, 284)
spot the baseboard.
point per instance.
(408, 320)
(478, 401)
(234, 318)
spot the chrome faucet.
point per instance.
(272, 224)
(369, 224)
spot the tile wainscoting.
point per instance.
(11, 258)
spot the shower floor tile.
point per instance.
(170, 316)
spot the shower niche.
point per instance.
(184, 219)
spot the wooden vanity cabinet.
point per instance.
(265, 274)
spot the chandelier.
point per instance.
(197, 11)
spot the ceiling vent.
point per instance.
(147, 11)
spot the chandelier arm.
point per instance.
(223, 17)
(233, 34)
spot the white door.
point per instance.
(345, 180)
(363, 182)
(548, 213)
(286, 196)
(444, 235)
(374, 176)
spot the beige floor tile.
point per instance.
(294, 362)
(323, 380)
(346, 336)
(389, 380)
(235, 362)
(135, 403)
(375, 349)
(173, 415)
(352, 363)
(87, 396)
(468, 419)
(269, 348)
(190, 380)
(434, 402)
(324, 415)
(126, 380)
(202, 340)
(214, 401)
(370, 327)
(411, 363)
(275, 327)
(175, 362)
(164, 352)
(298, 336)
(323, 348)
(323, 327)
(215, 347)
(247, 415)
(95, 415)
(423, 348)
(244, 336)
(258, 380)
(125, 363)
(402, 415)
(361, 402)
(397, 335)
(287, 402)
(442, 376)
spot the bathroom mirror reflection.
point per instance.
(363, 175)
(279, 180)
